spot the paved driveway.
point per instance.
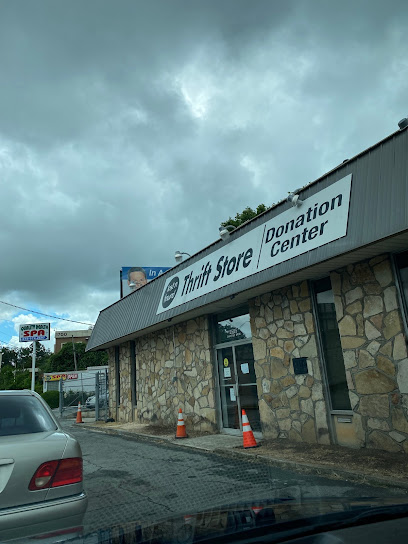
(133, 480)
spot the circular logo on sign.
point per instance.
(226, 362)
(170, 292)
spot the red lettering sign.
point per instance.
(26, 333)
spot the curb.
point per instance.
(131, 436)
(317, 470)
(302, 468)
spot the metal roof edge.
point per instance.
(180, 318)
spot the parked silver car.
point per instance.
(103, 399)
(41, 487)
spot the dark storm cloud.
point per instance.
(130, 129)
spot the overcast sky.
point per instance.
(130, 129)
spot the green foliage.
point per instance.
(38, 388)
(51, 398)
(22, 380)
(10, 378)
(16, 363)
(21, 358)
(64, 359)
(247, 214)
(6, 377)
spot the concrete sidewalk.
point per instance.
(371, 467)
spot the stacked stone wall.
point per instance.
(125, 410)
(291, 406)
(174, 370)
(375, 352)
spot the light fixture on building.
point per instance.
(225, 231)
(179, 256)
(403, 123)
(294, 200)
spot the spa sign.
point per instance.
(37, 331)
(321, 219)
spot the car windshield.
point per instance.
(23, 414)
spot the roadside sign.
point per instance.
(35, 332)
(58, 377)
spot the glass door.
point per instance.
(238, 386)
(247, 391)
(229, 389)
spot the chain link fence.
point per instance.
(92, 392)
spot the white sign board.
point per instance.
(36, 332)
(316, 222)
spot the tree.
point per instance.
(64, 360)
(21, 358)
(16, 364)
(6, 377)
(10, 356)
(247, 214)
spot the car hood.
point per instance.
(20, 456)
(280, 519)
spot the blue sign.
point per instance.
(135, 277)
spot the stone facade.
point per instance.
(174, 367)
(173, 370)
(125, 410)
(291, 406)
(375, 352)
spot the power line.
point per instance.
(4, 342)
(47, 315)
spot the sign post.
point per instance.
(33, 366)
(34, 333)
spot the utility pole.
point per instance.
(33, 366)
(73, 348)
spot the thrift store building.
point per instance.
(299, 316)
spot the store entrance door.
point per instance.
(238, 387)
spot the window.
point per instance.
(233, 326)
(23, 415)
(331, 345)
(401, 262)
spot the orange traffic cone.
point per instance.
(181, 428)
(247, 434)
(79, 414)
(256, 509)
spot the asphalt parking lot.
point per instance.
(128, 479)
